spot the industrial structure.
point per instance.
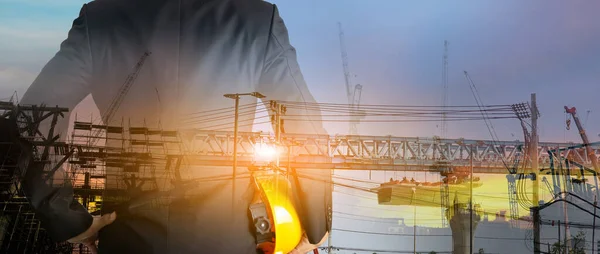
(20, 231)
(110, 164)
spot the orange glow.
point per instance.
(265, 153)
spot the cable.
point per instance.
(402, 121)
(488, 123)
(230, 112)
(322, 104)
(214, 117)
(374, 250)
(231, 109)
(421, 235)
(248, 122)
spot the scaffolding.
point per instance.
(128, 161)
(21, 139)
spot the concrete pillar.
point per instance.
(459, 216)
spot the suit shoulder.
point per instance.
(97, 5)
(255, 9)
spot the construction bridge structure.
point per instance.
(142, 155)
(383, 153)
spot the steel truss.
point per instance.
(371, 152)
(21, 139)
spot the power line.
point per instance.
(432, 235)
(321, 104)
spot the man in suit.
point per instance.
(201, 49)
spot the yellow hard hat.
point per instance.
(277, 193)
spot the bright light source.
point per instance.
(265, 153)
(282, 215)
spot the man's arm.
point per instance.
(65, 79)
(282, 80)
(63, 82)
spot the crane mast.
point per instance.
(353, 94)
(116, 102)
(444, 128)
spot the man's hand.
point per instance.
(89, 237)
(304, 246)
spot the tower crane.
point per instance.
(352, 93)
(444, 188)
(116, 102)
(521, 111)
(444, 131)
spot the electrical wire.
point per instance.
(373, 250)
(422, 235)
(419, 113)
(399, 120)
(229, 109)
(241, 123)
(215, 117)
(322, 104)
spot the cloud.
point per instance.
(14, 79)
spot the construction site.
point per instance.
(416, 190)
(110, 164)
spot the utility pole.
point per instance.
(534, 149)
(415, 230)
(279, 111)
(559, 239)
(236, 97)
(414, 195)
(533, 152)
(594, 222)
(471, 205)
(235, 135)
(536, 229)
(567, 231)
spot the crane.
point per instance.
(444, 188)
(521, 112)
(444, 130)
(116, 102)
(353, 94)
(584, 138)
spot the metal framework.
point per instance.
(371, 152)
(137, 156)
(20, 231)
(132, 160)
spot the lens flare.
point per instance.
(265, 153)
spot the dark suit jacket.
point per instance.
(201, 49)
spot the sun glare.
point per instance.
(265, 153)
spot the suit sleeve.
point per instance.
(63, 82)
(282, 80)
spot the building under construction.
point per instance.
(109, 165)
(106, 165)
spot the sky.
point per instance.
(510, 49)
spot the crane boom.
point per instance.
(345, 64)
(356, 96)
(584, 138)
(116, 102)
(353, 94)
(444, 131)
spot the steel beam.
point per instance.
(373, 152)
